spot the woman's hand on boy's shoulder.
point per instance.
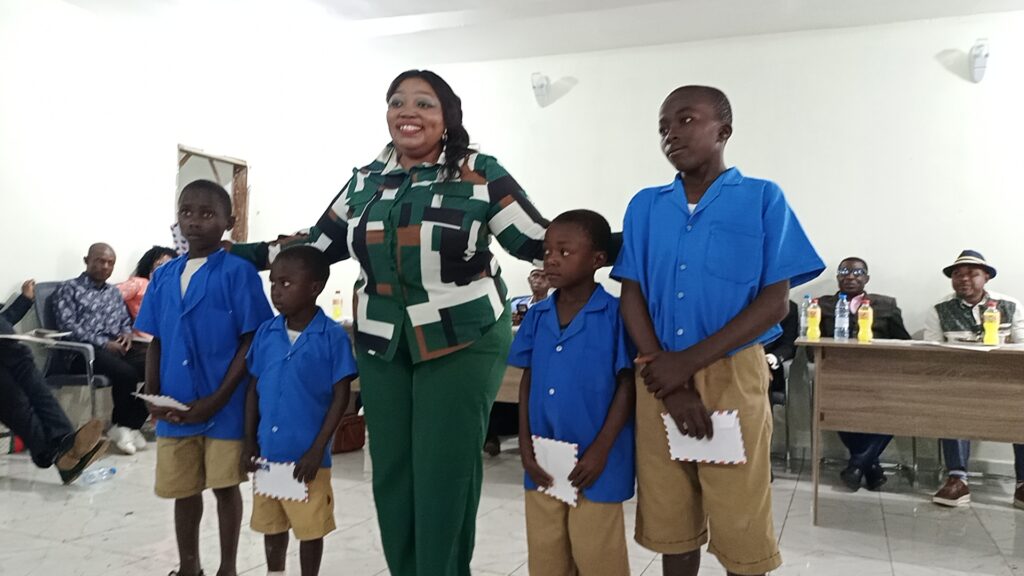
(665, 373)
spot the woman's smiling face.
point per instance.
(416, 120)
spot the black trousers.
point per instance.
(29, 408)
(125, 373)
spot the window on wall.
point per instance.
(231, 173)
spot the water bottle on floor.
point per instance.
(842, 331)
(98, 473)
(803, 315)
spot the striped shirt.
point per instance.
(428, 276)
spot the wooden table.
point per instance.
(914, 388)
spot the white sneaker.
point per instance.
(122, 439)
(138, 440)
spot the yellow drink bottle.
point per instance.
(336, 305)
(865, 321)
(990, 322)
(814, 321)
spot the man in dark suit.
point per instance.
(852, 277)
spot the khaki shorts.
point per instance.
(309, 520)
(589, 540)
(677, 501)
(187, 466)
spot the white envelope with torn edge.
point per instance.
(725, 446)
(558, 459)
(276, 480)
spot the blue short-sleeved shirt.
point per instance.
(295, 383)
(199, 335)
(573, 382)
(699, 271)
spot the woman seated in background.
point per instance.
(134, 288)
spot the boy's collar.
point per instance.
(317, 324)
(598, 301)
(730, 177)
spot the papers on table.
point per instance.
(725, 447)
(44, 333)
(161, 401)
(276, 480)
(558, 459)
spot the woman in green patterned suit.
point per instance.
(432, 325)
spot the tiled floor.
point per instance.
(118, 527)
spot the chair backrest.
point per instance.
(45, 305)
(56, 362)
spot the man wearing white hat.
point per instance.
(958, 318)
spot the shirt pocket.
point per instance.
(733, 254)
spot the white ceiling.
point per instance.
(463, 30)
(459, 30)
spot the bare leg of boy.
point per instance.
(681, 564)
(188, 512)
(310, 554)
(276, 546)
(229, 516)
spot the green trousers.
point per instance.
(426, 424)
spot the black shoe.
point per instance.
(875, 478)
(492, 446)
(852, 476)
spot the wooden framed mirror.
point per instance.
(231, 173)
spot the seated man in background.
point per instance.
(94, 312)
(958, 318)
(865, 449)
(539, 288)
(29, 409)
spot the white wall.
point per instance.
(883, 151)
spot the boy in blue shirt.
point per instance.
(302, 367)
(577, 387)
(202, 310)
(706, 267)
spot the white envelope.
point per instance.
(161, 401)
(725, 447)
(276, 480)
(558, 459)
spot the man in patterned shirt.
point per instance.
(94, 312)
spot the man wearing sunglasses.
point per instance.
(852, 277)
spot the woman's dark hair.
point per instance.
(455, 143)
(145, 266)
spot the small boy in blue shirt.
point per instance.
(302, 367)
(577, 387)
(202, 309)
(706, 267)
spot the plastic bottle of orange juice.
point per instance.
(865, 320)
(814, 321)
(990, 322)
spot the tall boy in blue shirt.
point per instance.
(706, 267)
(302, 367)
(202, 310)
(577, 387)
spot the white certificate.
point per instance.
(558, 459)
(725, 447)
(277, 480)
